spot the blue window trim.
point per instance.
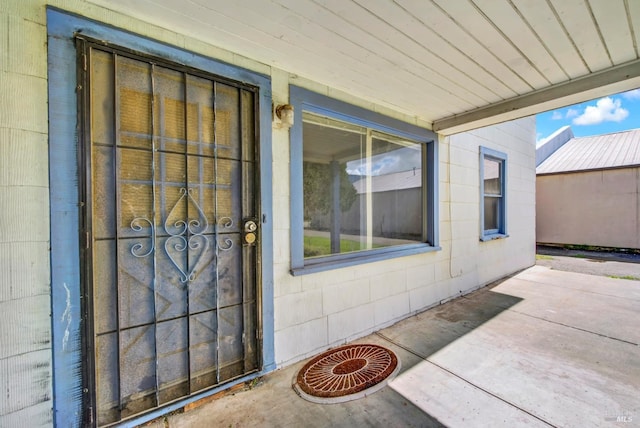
(305, 100)
(501, 232)
(64, 207)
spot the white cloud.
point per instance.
(556, 115)
(632, 95)
(571, 113)
(388, 163)
(606, 110)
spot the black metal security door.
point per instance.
(170, 231)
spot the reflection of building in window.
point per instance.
(363, 189)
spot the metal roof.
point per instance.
(453, 65)
(615, 150)
(548, 146)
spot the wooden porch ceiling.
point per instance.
(457, 64)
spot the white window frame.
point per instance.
(501, 231)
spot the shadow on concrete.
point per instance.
(444, 324)
(546, 348)
(416, 338)
(272, 402)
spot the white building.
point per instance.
(587, 191)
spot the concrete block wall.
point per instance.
(25, 337)
(318, 311)
(494, 258)
(312, 312)
(25, 290)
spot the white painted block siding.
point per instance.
(312, 312)
(25, 327)
(362, 299)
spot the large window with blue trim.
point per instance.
(363, 182)
(493, 185)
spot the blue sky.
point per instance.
(614, 113)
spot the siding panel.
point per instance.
(576, 18)
(483, 30)
(611, 18)
(28, 380)
(25, 325)
(542, 19)
(502, 14)
(443, 24)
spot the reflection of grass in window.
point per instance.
(320, 246)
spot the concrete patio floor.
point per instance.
(542, 348)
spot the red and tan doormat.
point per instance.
(346, 373)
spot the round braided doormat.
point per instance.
(346, 373)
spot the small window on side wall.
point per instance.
(362, 185)
(493, 194)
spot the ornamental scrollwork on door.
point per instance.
(226, 223)
(137, 250)
(184, 235)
